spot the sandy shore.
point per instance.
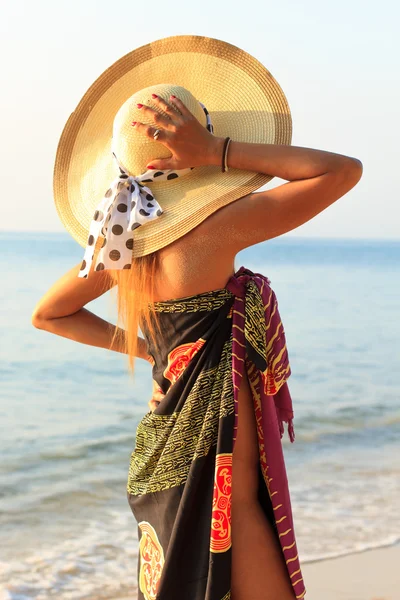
(369, 575)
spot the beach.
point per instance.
(70, 414)
(369, 575)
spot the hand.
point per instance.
(189, 142)
(156, 397)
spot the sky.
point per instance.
(337, 63)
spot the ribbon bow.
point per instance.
(126, 205)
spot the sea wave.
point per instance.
(90, 567)
(311, 428)
(391, 540)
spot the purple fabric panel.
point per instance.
(274, 409)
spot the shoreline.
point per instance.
(370, 574)
(378, 546)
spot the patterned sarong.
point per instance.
(180, 474)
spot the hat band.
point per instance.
(126, 205)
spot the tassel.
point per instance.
(291, 430)
(289, 420)
(281, 428)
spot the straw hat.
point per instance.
(244, 102)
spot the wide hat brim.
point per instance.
(245, 102)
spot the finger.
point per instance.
(162, 164)
(157, 388)
(153, 404)
(181, 106)
(149, 131)
(169, 109)
(155, 117)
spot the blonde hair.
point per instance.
(135, 294)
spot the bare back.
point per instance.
(200, 261)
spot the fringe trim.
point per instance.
(290, 427)
(291, 430)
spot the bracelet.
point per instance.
(225, 154)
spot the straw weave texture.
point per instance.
(245, 102)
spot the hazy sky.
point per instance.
(337, 62)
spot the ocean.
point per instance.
(68, 415)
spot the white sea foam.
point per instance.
(101, 562)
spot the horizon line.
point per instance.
(282, 236)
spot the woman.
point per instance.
(207, 482)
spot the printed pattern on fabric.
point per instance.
(166, 445)
(151, 557)
(201, 303)
(252, 376)
(179, 358)
(275, 367)
(180, 473)
(266, 360)
(283, 518)
(220, 540)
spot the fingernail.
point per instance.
(173, 96)
(133, 122)
(150, 167)
(154, 96)
(139, 105)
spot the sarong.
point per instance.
(180, 472)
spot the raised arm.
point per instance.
(316, 179)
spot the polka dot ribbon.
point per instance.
(126, 205)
